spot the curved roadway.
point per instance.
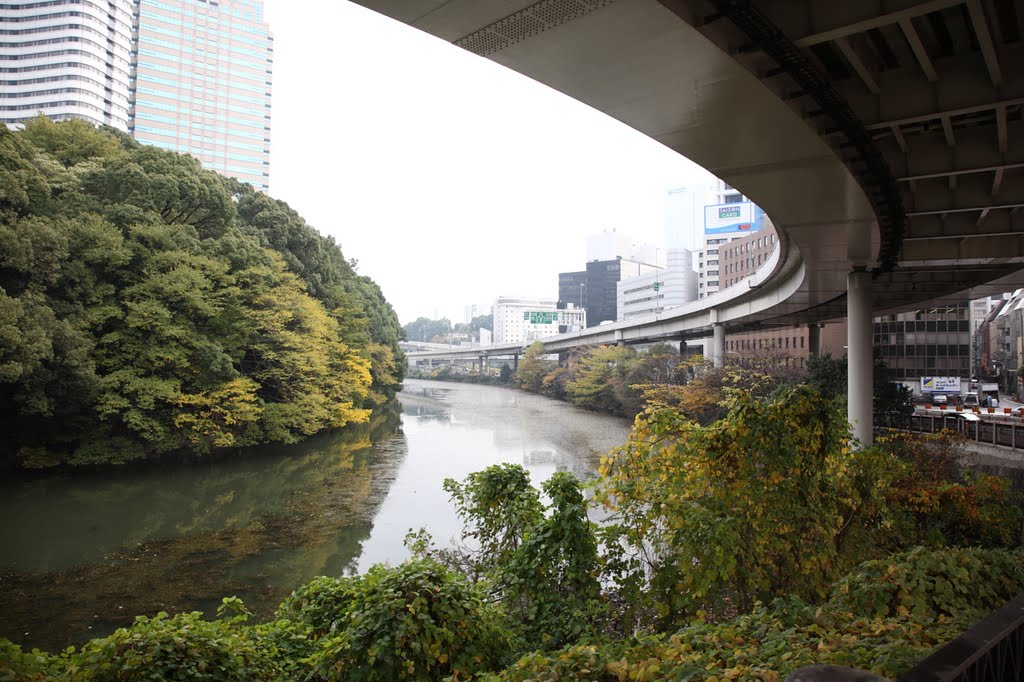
(749, 90)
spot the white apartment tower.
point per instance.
(66, 59)
(192, 76)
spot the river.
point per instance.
(81, 554)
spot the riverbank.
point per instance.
(84, 554)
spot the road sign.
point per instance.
(541, 316)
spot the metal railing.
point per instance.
(1007, 432)
(991, 651)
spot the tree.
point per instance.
(541, 564)
(830, 375)
(481, 322)
(599, 381)
(150, 306)
(506, 373)
(699, 397)
(749, 508)
(532, 368)
(70, 142)
(424, 329)
(151, 185)
(659, 366)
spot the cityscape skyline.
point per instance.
(450, 179)
(372, 171)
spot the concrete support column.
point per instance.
(682, 348)
(483, 368)
(860, 388)
(515, 362)
(814, 339)
(718, 345)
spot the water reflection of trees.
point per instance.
(256, 525)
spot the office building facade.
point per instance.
(66, 60)
(520, 319)
(924, 343)
(660, 290)
(191, 76)
(202, 84)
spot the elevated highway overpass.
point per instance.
(883, 137)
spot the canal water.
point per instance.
(82, 554)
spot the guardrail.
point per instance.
(991, 651)
(1005, 430)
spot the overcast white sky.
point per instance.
(449, 178)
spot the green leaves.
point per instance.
(750, 506)
(418, 620)
(542, 565)
(154, 306)
(884, 617)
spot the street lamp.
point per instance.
(582, 284)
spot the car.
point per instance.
(940, 399)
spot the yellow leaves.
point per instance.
(214, 418)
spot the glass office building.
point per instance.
(202, 83)
(929, 342)
(191, 76)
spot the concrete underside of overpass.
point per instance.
(885, 135)
(884, 138)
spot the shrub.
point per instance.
(415, 621)
(20, 666)
(941, 593)
(180, 647)
(929, 584)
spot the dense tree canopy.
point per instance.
(148, 306)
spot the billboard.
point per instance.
(940, 384)
(738, 217)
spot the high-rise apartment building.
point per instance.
(202, 82)
(69, 59)
(191, 76)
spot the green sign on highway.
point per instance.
(541, 316)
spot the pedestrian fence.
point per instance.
(1006, 429)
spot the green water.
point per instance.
(81, 555)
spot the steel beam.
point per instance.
(876, 22)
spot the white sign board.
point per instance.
(940, 384)
(722, 218)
